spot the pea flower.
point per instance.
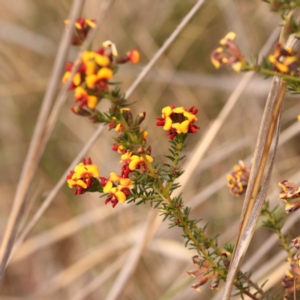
(229, 54)
(284, 60)
(85, 99)
(296, 243)
(117, 187)
(82, 28)
(137, 162)
(289, 192)
(83, 176)
(77, 79)
(237, 181)
(203, 274)
(178, 120)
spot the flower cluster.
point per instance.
(290, 191)
(94, 72)
(131, 144)
(82, 28)
(284, 60)
(228, 54)
(204, 271)
(291, 280)
(90, 84)
(83, 176)
(237, 181)
(178, 120)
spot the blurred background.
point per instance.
(79, 247)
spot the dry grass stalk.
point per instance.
(253, 203)
(35, 146)
(93, 258)
(134, 256)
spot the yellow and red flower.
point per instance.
(178, 120)
(284, 60)
(237, 181)
(290, 191)
(82, 26)
(117, 187)
(82, 96)
(82, 177)
(229, 54)
(99, 80)
(137, 162)
(77, 78)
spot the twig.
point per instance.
(252, 204)
(101, 278)
(33, 152)
(50, 125)
(165, 46)
(133, 258)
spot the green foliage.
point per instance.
(274, 221)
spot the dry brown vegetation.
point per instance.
(82, 249)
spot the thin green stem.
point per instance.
(268, 72)
(179, 215)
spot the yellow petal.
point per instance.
(108, 187)
(145, 134)
(81, 184)
(90, 23)
(134, 162)
(215, 62)
(105, 73)
(272, 58)
(87, 56)
(91, 80)
(78, 26)
(71, 183)
(281, 67)
(126, 182)
(120, 196)
(101, 60)
(191, 117)
(229, 36)
(113, 176)
(90, 67)
(93, 170)
(237, 66)
(166, 111)
(149, 158)
(79, 92)
(66, 77)
(125, 156)
(92, 102)
(168, 124)
(184, 126)
(77, 79)
(177, 127)
(178, 110)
